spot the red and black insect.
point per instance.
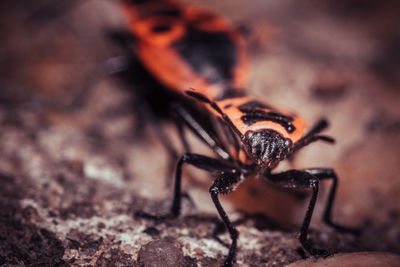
(188, 47)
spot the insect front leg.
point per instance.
(301, 179)
(223, 185)
(199, 161)
(326, 173)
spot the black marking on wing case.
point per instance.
(256, 115)
(254, 104)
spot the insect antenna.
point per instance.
(313, 136)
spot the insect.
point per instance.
(188, 47)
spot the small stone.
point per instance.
(160, 253)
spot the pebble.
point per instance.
(160, 253)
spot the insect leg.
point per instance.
(173, 155)
(301, 179)
(199, 161)
(326, 173)
(182, 135)
(179, 123)
(148, 115)
(223, 185)
(200, 131)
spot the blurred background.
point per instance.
(72, 157)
